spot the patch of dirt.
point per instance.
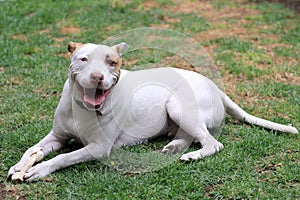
(283, 77)
(168, 21)
(270, 167)
(70, 30)
(65, 55)
(207, 10)
(178, 62)
(222, 26)
(219, 19)
(147, 5)
(44, 94)
(31, 14)
(230, 83)
(59, 39)
(20, 37)
(277, 75)
(2, 191)
(239, 13)
(235, 31)
(210, 187)
(66, 30)
(113, 27)
(44, 31)
(10, 192)
(197, 7)
(14, 81)
(160, 25)
(116, 3)
(129, 63)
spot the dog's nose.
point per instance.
(97, 77)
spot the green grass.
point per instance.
(255, 164)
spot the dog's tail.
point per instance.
(238, 113)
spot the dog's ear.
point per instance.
(72, 46)
(120, 47)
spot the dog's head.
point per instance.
(94, 69)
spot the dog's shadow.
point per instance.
(133, 160)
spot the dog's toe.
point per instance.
(185, 157)
(12, 171)
(175, 146)
(169, 149)
(190, 156)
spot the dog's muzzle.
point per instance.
(93, 98)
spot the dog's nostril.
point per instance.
(101, 77)
(97, 77)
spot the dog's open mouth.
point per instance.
(93, 98)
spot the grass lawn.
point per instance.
(256, 47)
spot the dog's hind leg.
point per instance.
(187, 116)
(180, 141)
(209, 145)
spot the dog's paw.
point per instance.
(191, 156)
(10, 173)
(16, 168)
(175, 146)
(204, 152)
(170, 149)
(38, 171)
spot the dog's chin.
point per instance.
(91, 107)
(92, 98)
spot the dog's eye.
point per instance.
(111, 62)
(83, 59)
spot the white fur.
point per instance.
(140, 106)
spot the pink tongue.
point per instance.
(96, 101)
(95, 98)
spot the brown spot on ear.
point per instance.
(118, 49)
(73, 46)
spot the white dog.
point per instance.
(105, 107)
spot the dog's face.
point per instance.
(94, 69)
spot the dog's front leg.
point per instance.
(47, 144)
(90, 152)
